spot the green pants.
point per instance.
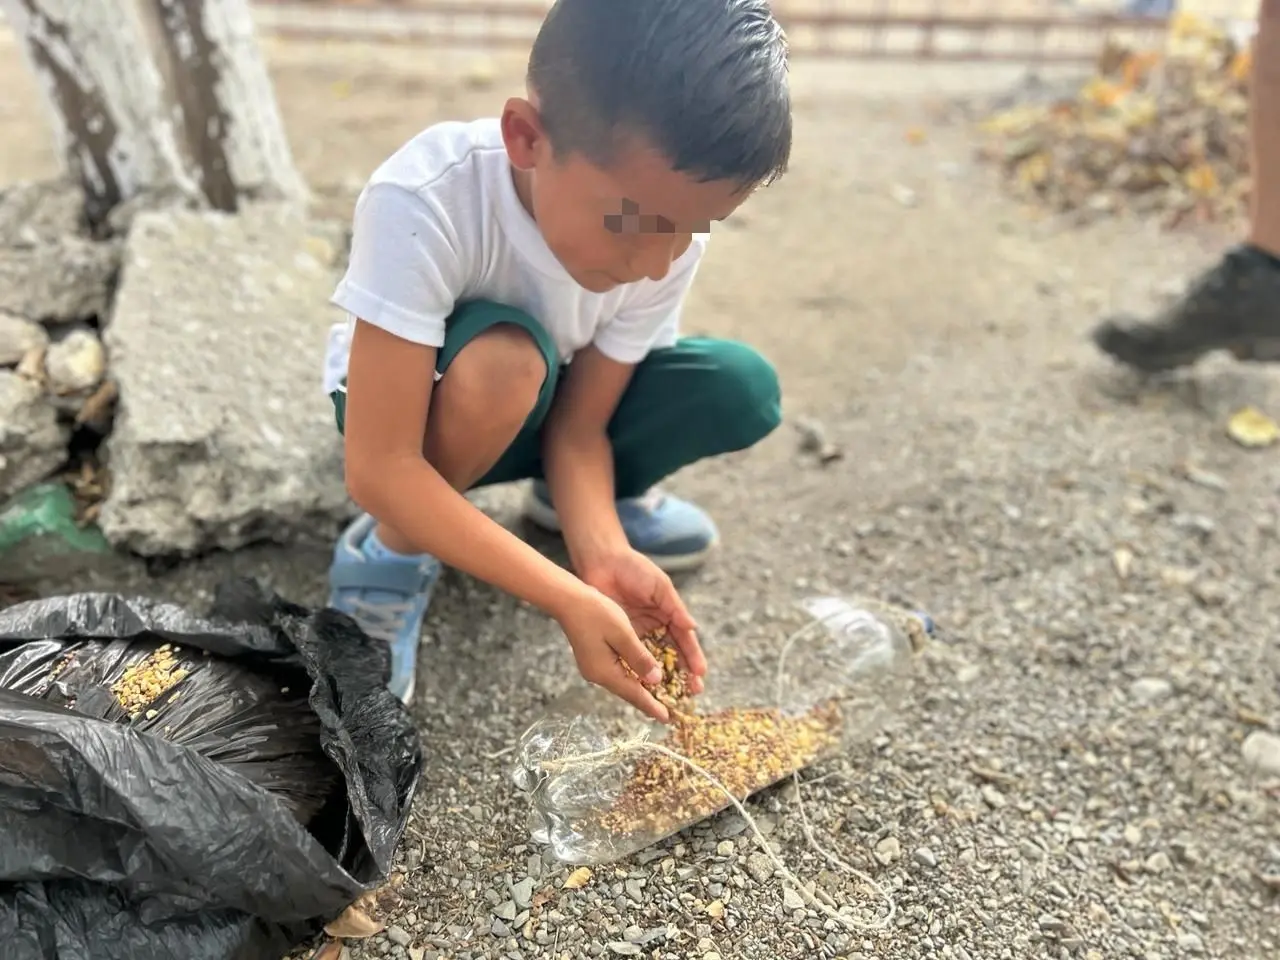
(697, 399)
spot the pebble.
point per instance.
(499, 929)
(1190, 943)
(1262, 752)
(1158, 862)
(994, 798)
(760, 867)
(18, 337)
(792, 900)
(76, 362)
(1150, 689)
(725, 848)
(507, 911)
(925, 857)
(888, 850)
(399, 936)
(624, 948)
(522, 893)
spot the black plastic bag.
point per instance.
(206, 825)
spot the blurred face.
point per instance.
(610, 226)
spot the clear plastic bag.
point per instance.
(604, 782)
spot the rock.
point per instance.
(19, 337)
(621, 948)
(888, 850)
(725, 848)
(1158, 862)
(926, 857)
(522, 893)
(792, 900)
(67, 280)
(398, 936)
(32, 442)
(239, 447)
(760, 867)
(1262, 752)
(506, 911)
(1190, 943)
(32, 213)
(994, 798)
(76, 363)
(1150, 689)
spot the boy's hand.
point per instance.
(651, 601)
(600, 633)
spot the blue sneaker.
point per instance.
(387, 598)
(673, 533)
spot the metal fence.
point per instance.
(1030, 31)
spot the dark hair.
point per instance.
(702, 81)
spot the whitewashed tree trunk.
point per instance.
(234, 131)
(110, 121)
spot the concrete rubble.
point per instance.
(56, 285)
(222, 436)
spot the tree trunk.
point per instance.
(233, 127)
(110, 122)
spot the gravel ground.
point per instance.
(1067, 776)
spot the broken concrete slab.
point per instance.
(36, 212)
(64, 280)
(223, 436)
(33, 443)
(19, 337)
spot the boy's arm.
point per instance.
(389, 391)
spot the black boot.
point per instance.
(1235, 306)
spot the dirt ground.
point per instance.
(1066, 778)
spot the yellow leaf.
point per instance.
(578, 879)
(1202, 180)
(1250, 427)
(1102, 93)
(916, 136)
(1241, 66)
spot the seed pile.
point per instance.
(141, 683)
(745, 749)
(1160, 133)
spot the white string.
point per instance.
(824, 905)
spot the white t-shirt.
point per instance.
(440, 222)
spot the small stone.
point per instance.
(399, 936)
(19, 337)
(622, 948)
(711, 955)
(760, 867)
(725, 848)
(506, 911)
(715, 909)
(1262, 752)
(1150, 689)
(634, 890)
(994, 798)
(888, 850)
(522, 893)
(633, 934)
(499, 929)
(925, 857)
(792, 900)
(1132, 835)
(1158, 862)
(1190, 943)
(75, 363)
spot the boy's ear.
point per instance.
(523, 134)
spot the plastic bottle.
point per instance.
(588, 765)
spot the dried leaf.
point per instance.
(578, 879)
(354, 924)
(1250, 427)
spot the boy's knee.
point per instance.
(746, 388)
(497, 377)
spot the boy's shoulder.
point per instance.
(444, 154)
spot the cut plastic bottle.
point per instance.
(603, 782)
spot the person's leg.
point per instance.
(496, 372)
(698, 399)
(1235, 305)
